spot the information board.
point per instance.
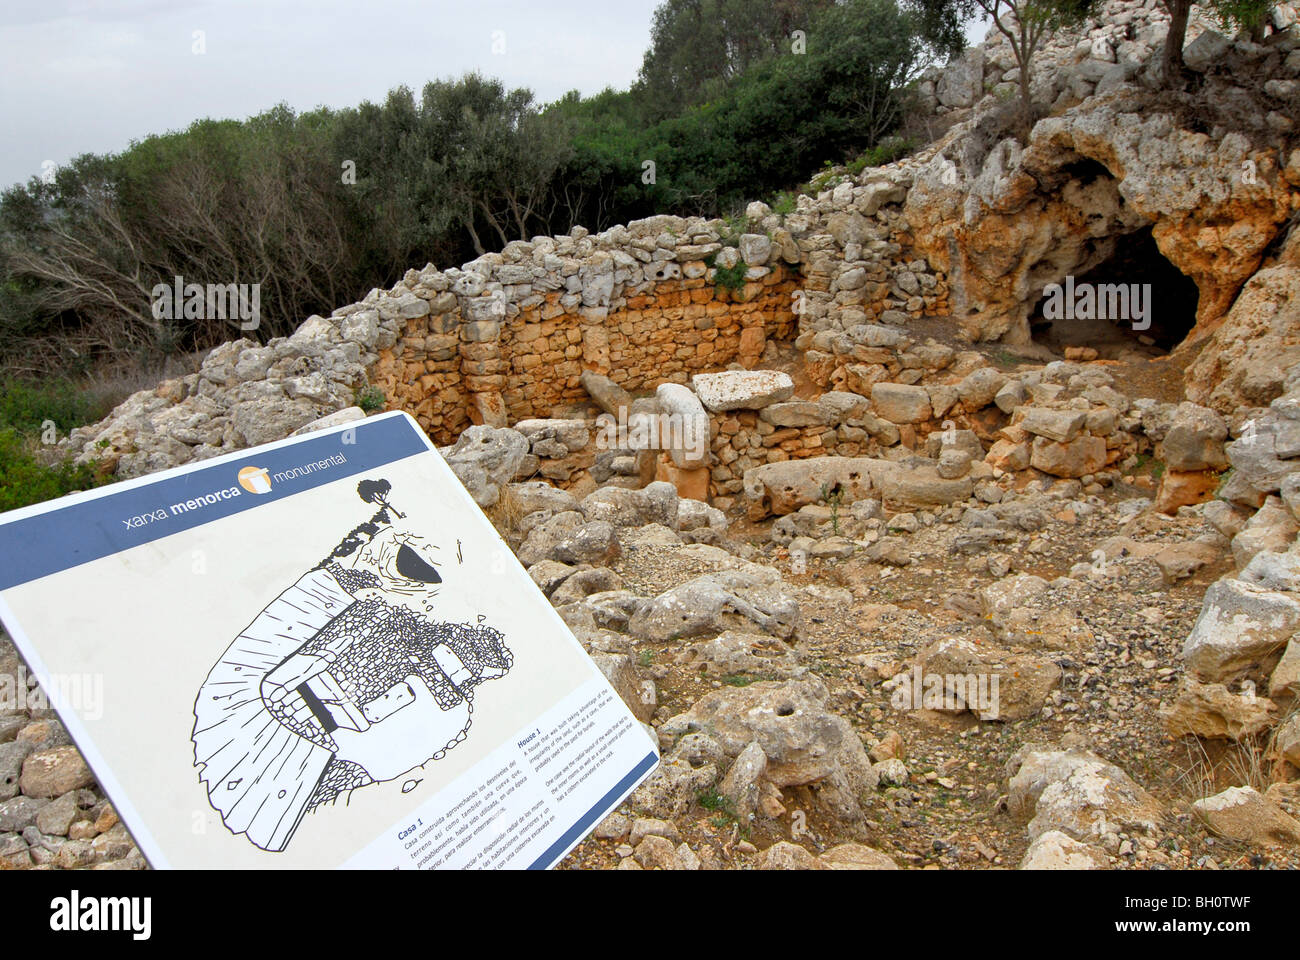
(316, 653)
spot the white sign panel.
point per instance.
(316, 653)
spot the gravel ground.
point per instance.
(862, 621)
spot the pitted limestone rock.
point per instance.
(1079, 794)
(716, 602)
(486, 458)
(804, 742)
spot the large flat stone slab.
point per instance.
(742, 389)
(784, 487)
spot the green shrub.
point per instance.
(370, 399)
(728, 278)
(24, 480)
(785, 203)
(711, 799)
(1223, 480)
(886, 151)
(26, 405)
(833, 497)
(824, 180)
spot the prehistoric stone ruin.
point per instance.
(776, 480)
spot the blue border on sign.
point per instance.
(77, 533)
(588, 819)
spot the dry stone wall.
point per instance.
(523, 353)
(971, 227)
(906, 437)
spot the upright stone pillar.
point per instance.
(481, 366)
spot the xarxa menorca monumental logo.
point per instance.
(255, 479)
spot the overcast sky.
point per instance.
(91, 75)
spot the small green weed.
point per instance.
(370, 399)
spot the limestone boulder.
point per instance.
(1213, 712)
(802, 740)
(1242, 813)
(1240, 625)
(901, 403)
(1055, 850)
(784, 487)
(742, 389)
(1077, 793)
(991, 683)
(609, 396)
(727, 600)
(685, 425)
(735, 653)
(1080, 457)
(656, 503)
(486, 458)
(1195, 440)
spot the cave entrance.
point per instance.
(1133, 302)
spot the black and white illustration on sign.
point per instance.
(345, 679)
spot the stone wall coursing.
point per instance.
(503, 338)
(971, 226)
(569, 454)
(422, 375)
(856, 253)
(744, 439)
(497, 356)
(667, 332)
